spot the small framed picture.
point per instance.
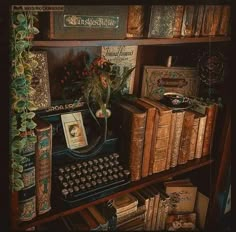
(74, 130)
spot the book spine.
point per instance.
(216, 20)
(210, 112)
(224, 22)
(159, 214)
(43, 168)
(126, 212)
(135, 24)
(172, 131)
(188, 18)
(27, 196)
(185, 137)
(176, 138)
(200, 137)
(198, 26)
(207, 20)
(178, 20)
(193, 140)
(51, 33)
(162, 141)
(149, 214)
(154, 216)
(165, 213)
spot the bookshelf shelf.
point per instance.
(60, 211)
(128, 42)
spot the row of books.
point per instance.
(155, 138)
(168, 21)
(171, 207)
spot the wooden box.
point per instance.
(89, 22)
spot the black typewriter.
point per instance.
(90, 179)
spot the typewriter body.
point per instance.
(86, 173)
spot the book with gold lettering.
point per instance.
(43, 165)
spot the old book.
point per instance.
(123, 58)
(98, 217)
(89, 22)
(162, 19)
(223, 28)
(189, 19)
(182, 197)
(184, 146)
(216, 20)
(198, 25)
(132, 123)
(124, 202)
(74, 222)
(176, 137)
(135, 22)
(27, 196)
(160, 79)
(40, 82)
(43, 165)
(179, 12)
(181, 222)
(90, 220)
(150, 111)
(159, 151)
(126, 212)
(132, 225)
(181, 182)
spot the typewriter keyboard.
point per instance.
(84, 179)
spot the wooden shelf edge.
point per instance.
(155, 178)
(129, 42)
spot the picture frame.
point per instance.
(74, 130)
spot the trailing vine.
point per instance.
(22, 124)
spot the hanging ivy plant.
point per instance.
(22, 124)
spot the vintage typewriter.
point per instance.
(85, 174)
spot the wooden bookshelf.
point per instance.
(60, 209)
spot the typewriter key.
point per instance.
(90, 170)
(89, 177)
(120, 167)
(64, 192)
(111, 163)
(76, 188)
(95, 161)
(82, 187)
(79, 173)
(61, 170)
(88, 185)
(116, 162)
(99, 174)
(106, 159)
(121, 175)
(82, 179)
(90, 162)
(99, 181)
(101, 160)
(67, 176)
(84, 171)
(85, 164)
(127, 173)
(93, 182)
(116, 155)
(100, 166)
(115, 169)
(94, 176)
(70, 190)
(110, 171)
(73, 167)
(104, 179)
(110, 178)
(95, 168)
(115, 176)
(104, 173)
(65, 184)
(77, 181)
(78, 165)
(106, 165)
(111, 157)
(72, 175)
(60, 178)
(67, 169)
(70, 182)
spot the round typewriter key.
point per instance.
(67, 176)
(100, 166)
(116, 162)
(76, 188)
(64, 192)
(111, 157)
(70, 190)
(90, 170)
(99, 174)
(78, 165)
(79, 173)
(67, 169)
(65, 184)
(88, 185)
(104, 173)
(94, 176)
(82, 187)
(106, 159)
(111, 163)
(70, 182)
(115, 169)
(85, 164)
(99, 181)
(73, 167)
(77, 181)
(60, 178)
(104, 179)
(90, 162)
(110, 171)
(61, 170)
(116, 155)
(106, 165)
(83, 179)
(84, 171)
(93, 182)
(110, 177)
(121, 175)
(89, 177)
(115, 176)
(95, 168)
(95, 161)
(72, 175)
(101, 160)
(127, 173)
(120, 167)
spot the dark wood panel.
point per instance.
(128, 42)
(60, 210)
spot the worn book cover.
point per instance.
(89, 22)
(224, 20)
(90, 220)
(161, 135)
(74, 222)
(182, 198)
(74, 130)
(40, 82)
(123, 59)
(160, 79)
(136, 21)
(178, 20)
(43, 165)
(189, 20)
(162, 21)
(98, 217)
(184, 146)
(181, 222)
(198, 25)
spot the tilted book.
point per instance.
(198, 25)
(123, 59)
(189, 20)
(185, 139)
(178, 20)
(90, 220)
(178, 126)
(43, 164)
(161, 136)
(131, 122)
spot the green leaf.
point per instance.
(34, 30)
(21, 35)
(32, 139)
(30, 115)
(19, 69)
(17, 175)
(20, 105)
(19, 81)
(31, 106)
(14, 133)
(19, 183)
(21, 18)
(31, 124)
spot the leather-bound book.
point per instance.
(43, 164)
(193, 139)
(224, 21)
(184, 146)
(131, 135)
(161, 135)
(189, 19)
(216, 19)
(200, 136)
(179, 12)
(74, 222)
(90, 220)
(198, 25)
(27, 195)
(162, 19)
(135, 24)
(176, 138)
